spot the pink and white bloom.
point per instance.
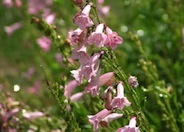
(33, 115)
(90, 68)
(87, 70)
(82, 19)
(81, 54)
(112, 38)
(92, 87)
(103, 79)
(12, 28)
(109, 118)
(96, 82)
(98, 37)
(50, 18)
(132, 80)
(77, 74)
(120, 100)
(44, 43)
(75, 36)
(69, 88)
(131, 127)
(96, 119)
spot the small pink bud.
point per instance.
(12, 28)
(76, 97)
(44, 43)
(132, 80)
(33, 115)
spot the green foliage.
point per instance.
(153, 50)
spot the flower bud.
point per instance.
(132, 80)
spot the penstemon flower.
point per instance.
(96, 119)
(131, 127)
(33, 115)
(82, 19)
(120, 100)
(81, 54)
(98, 37)
(109, 118)
(112, 38)
(69, 88)
(12, 28)
(44, 43)
(75, 36)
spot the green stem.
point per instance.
(131, 94)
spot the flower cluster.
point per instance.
(80, 40)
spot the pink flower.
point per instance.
(96, 119)
(131, 127)
(34, 6)
(35, 88)
(12, 28)
(132, 80)
(77, 74)
(90, 68)
(103, 79)
(87, 70)
(69, 88)
(109, 118)
(75, 36)
(112, 38)
(7, 3)
(81, 54)
(33, 115)
(102, 10)
(18, 3)
(96, 82)
(75, 97)
(7, 115)
(92, 87)
(44, 43)
(120, 101)
(82, 19)
(98, 37)
(50, 18)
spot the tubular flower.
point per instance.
(69, 88)
(81, 54)
(82, 19)
(109, 118)
(131, 127)
(12, 28)
(96, 119)
(120, 100)
(112, 38)
(44, 43)
(87, 70)
(98, 37)
(92, 87)
(75, 36)
(96, 82)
